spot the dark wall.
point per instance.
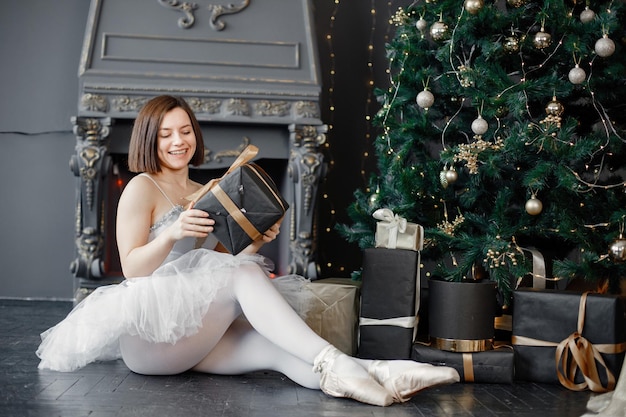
(354, 29)
(40, 47)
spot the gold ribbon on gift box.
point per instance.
(575, 352)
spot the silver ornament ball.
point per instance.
(604, 46)
(534, 206)
(587, 15)
(617, 250)
(577, 75)
(425, 99)
(479, 126)
(421, 24)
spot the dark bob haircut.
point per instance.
(142, 151)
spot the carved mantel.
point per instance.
(249, 70)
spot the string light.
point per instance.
(328, 202)
(376, 10)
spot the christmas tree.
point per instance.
(502, 129)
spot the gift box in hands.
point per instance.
(244, 202)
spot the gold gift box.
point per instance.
(329, 306)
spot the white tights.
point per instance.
(273, 337)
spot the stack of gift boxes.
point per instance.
(572, 338)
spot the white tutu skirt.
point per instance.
(163, 307)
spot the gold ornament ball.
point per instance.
(511, 44)
(534, 206)
(425, 99)
(542, 39)
(502, 111)
(473, 6)
(451, 176)
(439, 31)
(554, 107)
(373, 200)
(617, 250)
(587, 15)
(516, 3)
(604, 46)
(577, 75)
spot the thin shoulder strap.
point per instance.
(143, 174)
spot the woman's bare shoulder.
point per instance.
(140, 190)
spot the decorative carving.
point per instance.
(186, 7)
(306, 167)
(200, 105)
(227, 153)
(94, 102)
(238, 107)
(307, 109)
(90, 164)
(128, 104)
(90, 248)
(272, 108)
(218, 10)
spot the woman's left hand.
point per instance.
(272, 233)
(269, 235)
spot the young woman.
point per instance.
(182, 308)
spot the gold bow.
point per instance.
(244, 157)
(575, 352)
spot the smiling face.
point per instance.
(176, 142)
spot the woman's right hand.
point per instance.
(193, 223)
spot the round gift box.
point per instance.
(461, 314)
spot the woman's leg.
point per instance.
(270, 314)
(167, 359)
(242, 349)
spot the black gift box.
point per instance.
(491, 366)
(544, 318)
(244, 203)
(461, 314)
(389, 302)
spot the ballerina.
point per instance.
(183, 308)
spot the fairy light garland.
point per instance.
(370, 102)
(370, 93)
(331, 119)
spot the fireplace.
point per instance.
(250, 72)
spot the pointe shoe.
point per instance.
(365, 389)
(404, 378)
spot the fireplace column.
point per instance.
(90, 164)
(306, 167)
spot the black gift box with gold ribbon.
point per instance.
(574, 339)
(493, 366)
(245, 202)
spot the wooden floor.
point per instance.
(110, 389)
